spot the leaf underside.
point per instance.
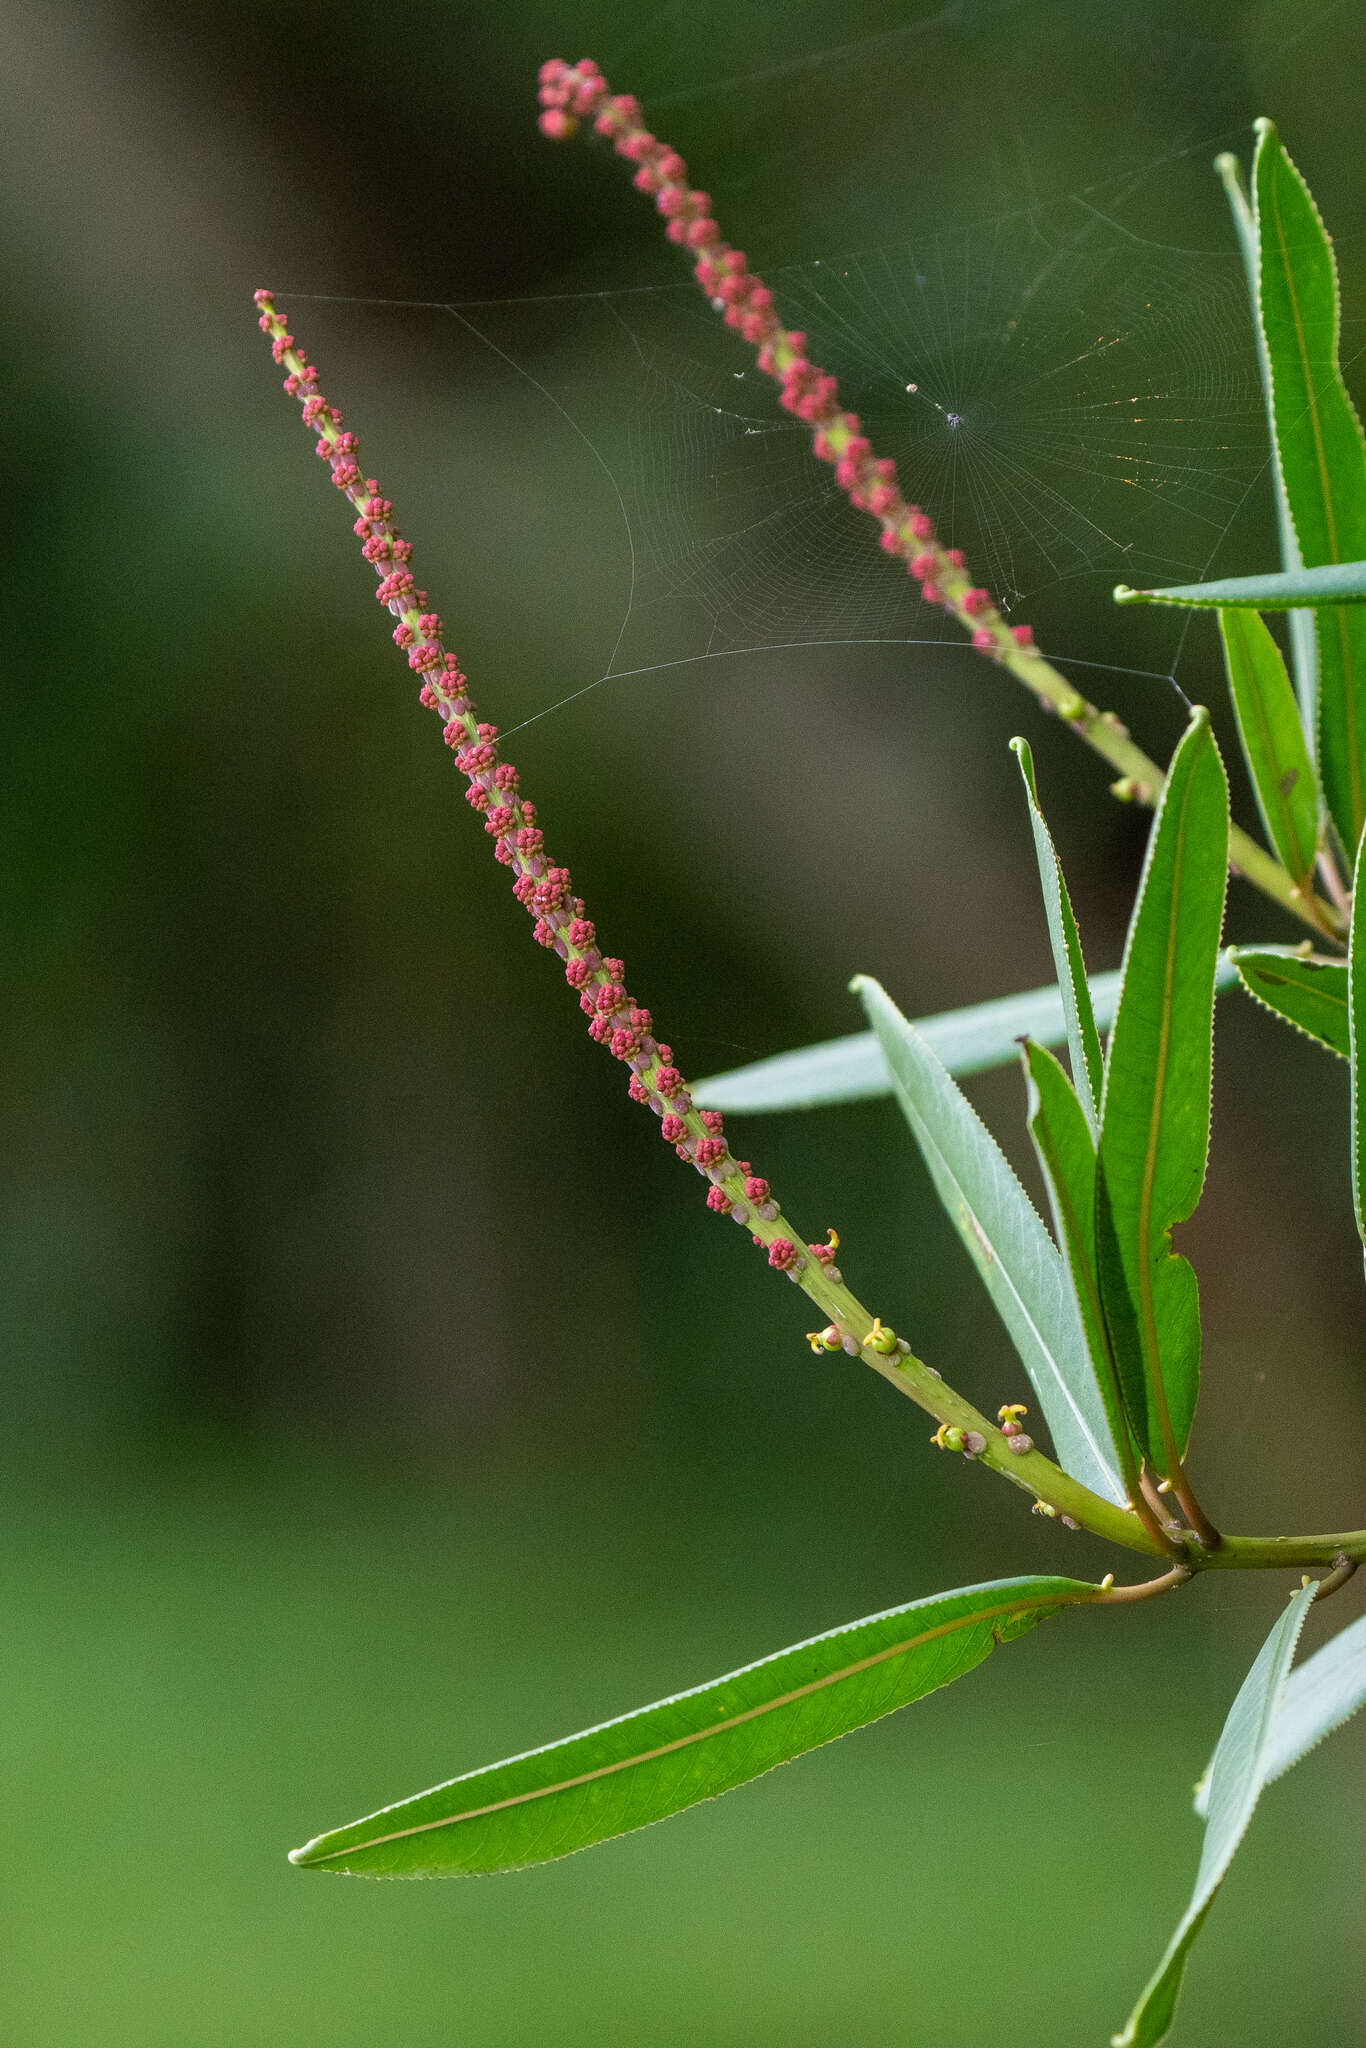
(1236, 1777)
(646, 1765)
(1284, 590)
(1005, 1237)
(1320, 1695)
(854, 1068)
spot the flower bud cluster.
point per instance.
(493, 789)
(572, 93)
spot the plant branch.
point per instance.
(625, 1029)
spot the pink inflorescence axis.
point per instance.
(493, 789)
(573, 93)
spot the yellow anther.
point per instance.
(833, 1239)
(1164, 1486)
(828, 1339)
(880, 1338)
(1042, 1507)
(815, 1338)
(1011, 1412)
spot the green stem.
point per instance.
(1282, 1553)
(1031, 1470)
(1144, 779)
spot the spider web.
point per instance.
(1067, 401)
(1075, 403)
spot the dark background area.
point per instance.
(378, 1396)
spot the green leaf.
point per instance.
(1310, 994)
(1290, 590)
(1019, 1264)
(1320, 1695)
(1320, 450)
(1303, 626)
(1356, 1028)
(1235, 1780)
(1154, 1138)
(662, 1758)
(1083, 1041)
(1066, 1149)
(1273, 742)
(853, 1069)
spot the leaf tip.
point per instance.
(302, 1858)
(1024, 755)
(1124, 593)
(1264, 128)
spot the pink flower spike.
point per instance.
(975, 602)
(546, 892)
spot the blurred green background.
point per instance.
(378, 1398)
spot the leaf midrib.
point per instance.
(1045, 1346)
(705, 1734)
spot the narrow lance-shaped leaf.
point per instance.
(1083, 1040)
(1320, 1695)
(1235, 1780)
(1273, 742)
(854, 1068)
(1019, 1264)
(1320, 450)
(1066, 1149)
(1304, 625)
(1356, 1027)
(1307, 992)
(1292, 590)
(1154, 1139)
(662, 1758)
